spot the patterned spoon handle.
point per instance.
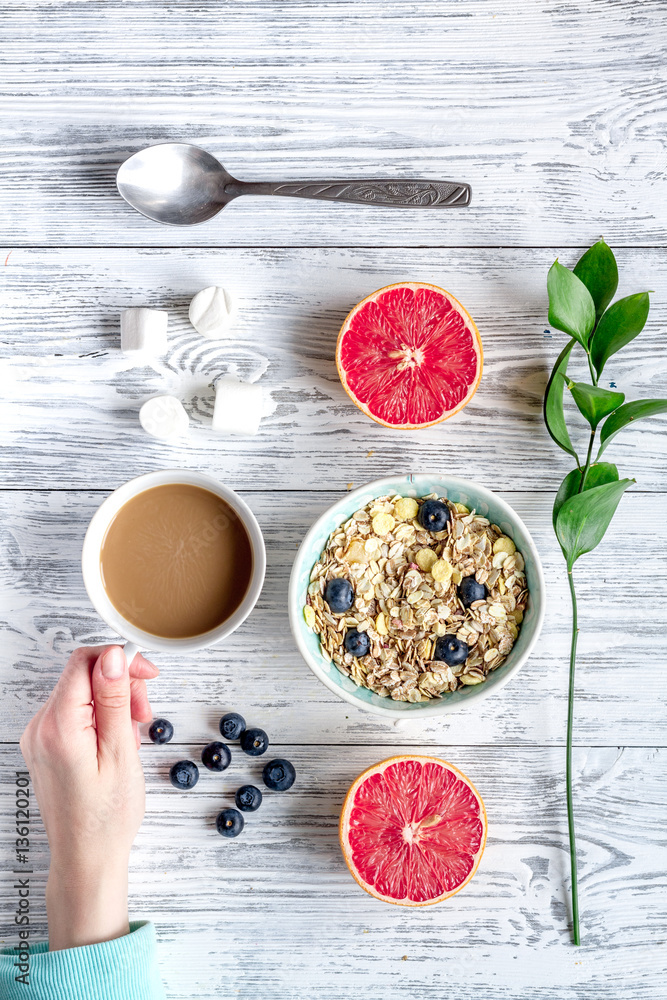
(394, 193)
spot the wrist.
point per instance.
(86, 902)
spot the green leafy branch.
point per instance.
(579, 305)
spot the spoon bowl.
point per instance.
(174, 183)
(182, 185)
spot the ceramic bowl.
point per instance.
(458, 491)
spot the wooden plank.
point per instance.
(258, 671)
(71, 399)
(277, 906)
(556, 116)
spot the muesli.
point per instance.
(414, 598)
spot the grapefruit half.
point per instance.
(409, 355)
(412, 830)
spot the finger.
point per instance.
(137, 737)
(140, 705)
(112, 698)
(74, 686)
(141, 667)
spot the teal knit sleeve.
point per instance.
(122, 969)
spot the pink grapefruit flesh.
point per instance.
(412, 830)
(409, 355)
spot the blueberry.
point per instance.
(357, 643)
(232, 725)
(229, 823)
(248, 798)
(339, 595)
(434, 515)
(279, 775)
(216, 756)
(184, 774)
(451, 650)
(161, 731)
(470, 590)
(254, 742)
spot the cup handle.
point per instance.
(130, 649)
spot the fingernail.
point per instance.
(114, 663)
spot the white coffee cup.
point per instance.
(137, 639)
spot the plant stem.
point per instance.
(594, 377)
(570, 718)
(582, 485)
(568, 767)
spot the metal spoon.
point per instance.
(182, 185)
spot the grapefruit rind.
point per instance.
(348, 804)
(469, 324)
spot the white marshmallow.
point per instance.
(143, 331)
(164, 417)
(210, 312)
(238, 406)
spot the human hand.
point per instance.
(81, 751)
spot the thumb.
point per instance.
(112, 700)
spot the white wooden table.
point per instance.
(556, 115)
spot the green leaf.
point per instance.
(554, 415)
(584, 518)
(628, 413)
(621, 323)
(601, 472)
(598, 271)
(593, 402)
(571, 307)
